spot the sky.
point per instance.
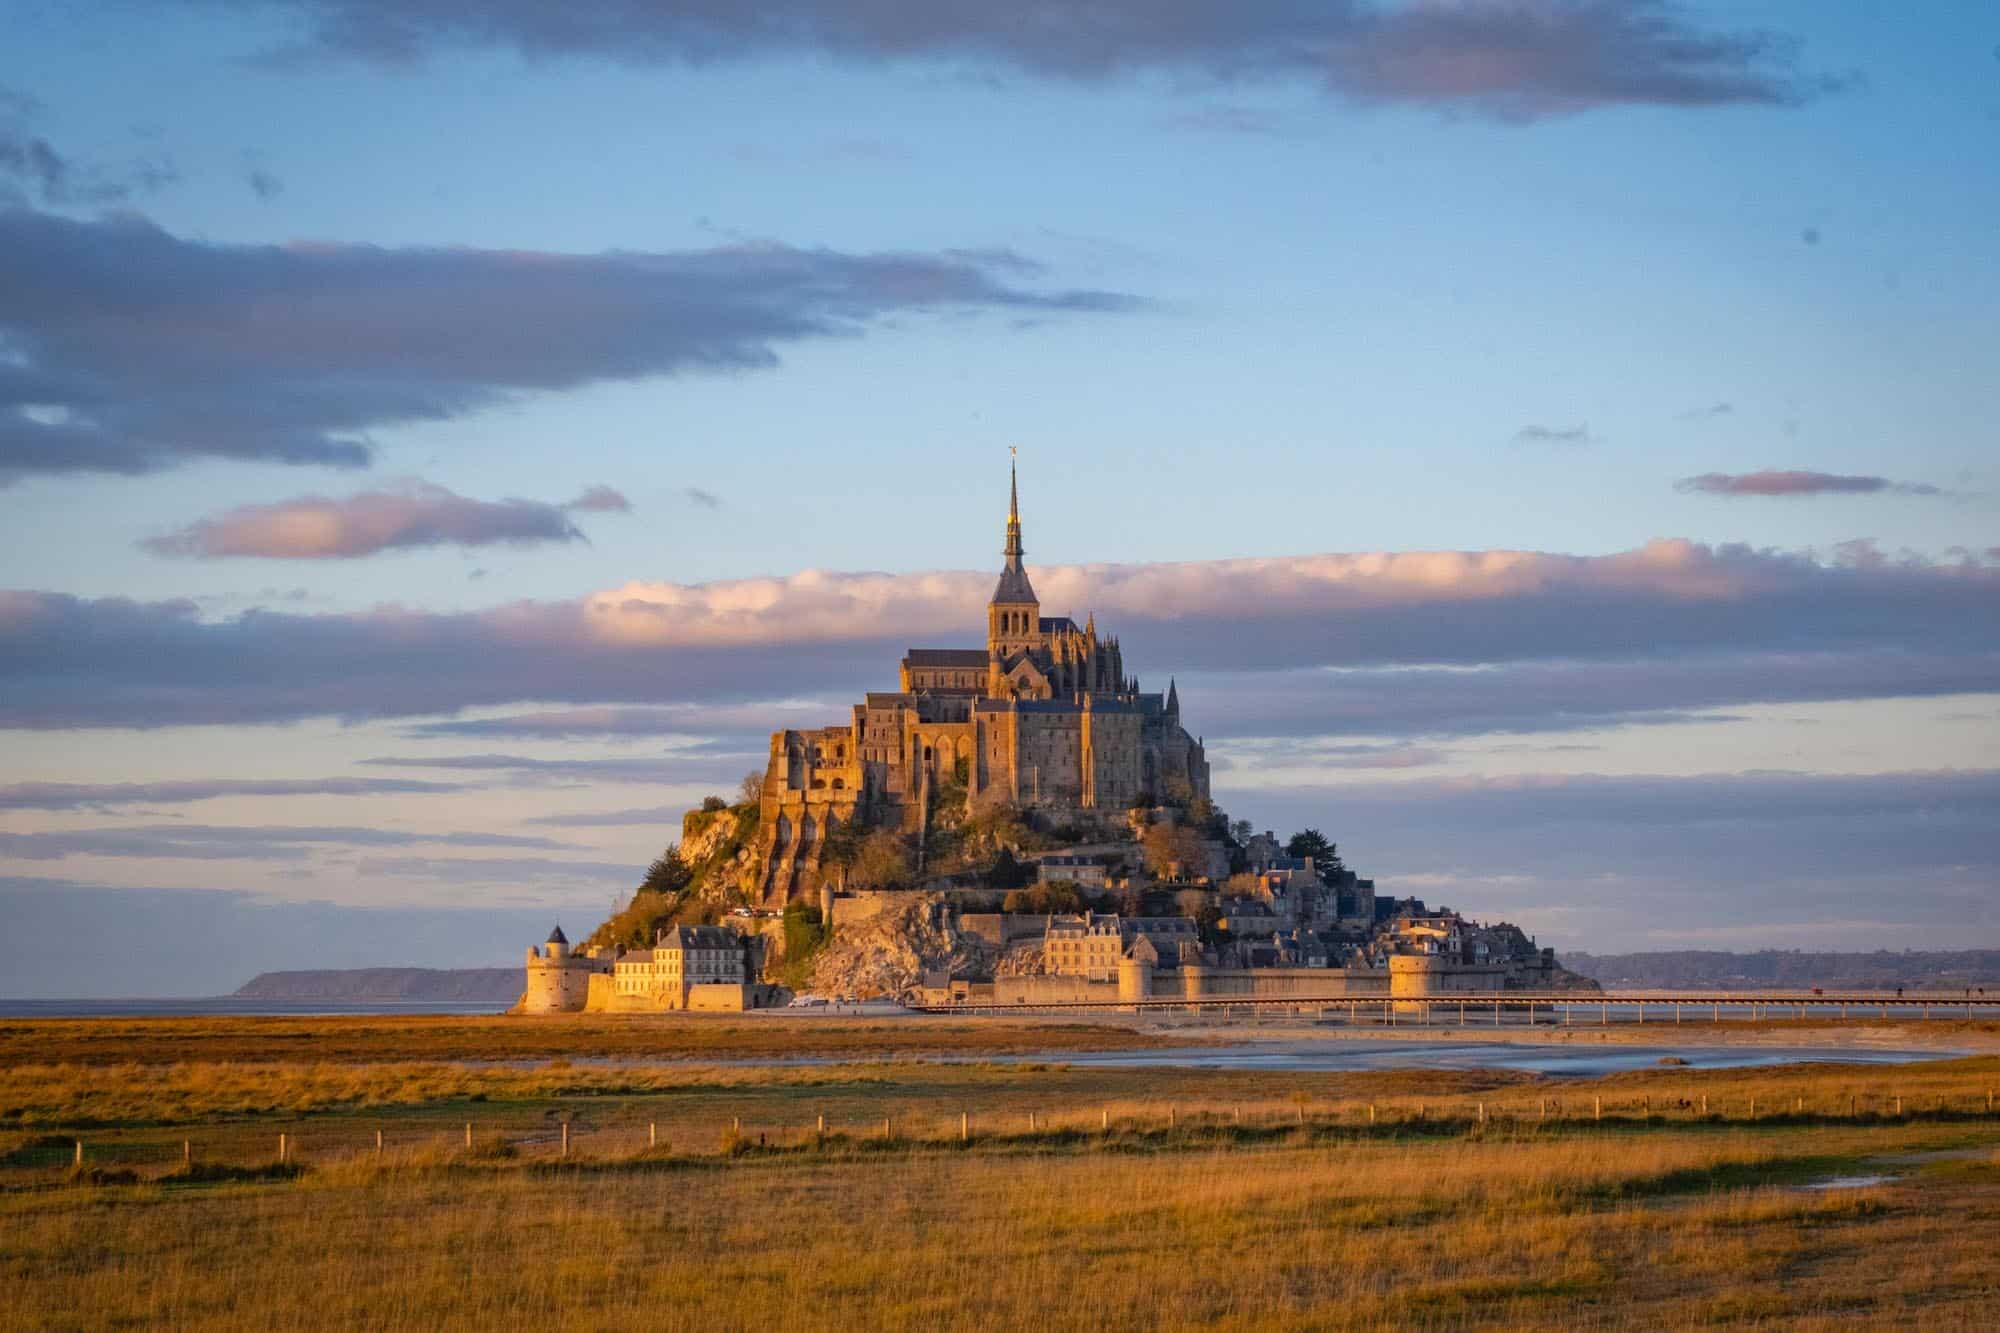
(1549, 442)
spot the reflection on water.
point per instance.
(1847, 1182)
(1559, 1060)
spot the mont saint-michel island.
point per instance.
(1022, 823)
(1087, 666)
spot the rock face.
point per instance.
(890, 954)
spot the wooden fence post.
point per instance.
(1597, 1108)
(964, 1127)
(468, 1133)
(1104, 1120)
(565, 1138)
(79, 1151)
(652, 1133)
(1482, 1113)
(284, 1149)
(1371, 1113)
(187, 1152)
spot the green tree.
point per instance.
(1170, 845)
(1009, 873)
(1311, 842)
(668, 873)
(882, 861)
(843, 842)
(1059, 896)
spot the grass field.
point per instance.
(919, 1194)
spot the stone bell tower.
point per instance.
(1014, 616)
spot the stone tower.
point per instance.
(1014, 616)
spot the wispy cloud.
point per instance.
(1225, 118)
(706, 499)
(60, 180)
(131, 349)
(1708, 413)
(403, 516)
(1517, 60)
(1797, 483)
(664, 816)
(1533, 434)
(199, 842)
(91, 795)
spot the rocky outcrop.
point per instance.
(890, 953)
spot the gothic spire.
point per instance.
(1014, 586)
(1013, 551)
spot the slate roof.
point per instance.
(1014, 585)
(946, 657)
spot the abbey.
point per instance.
(1043, 717)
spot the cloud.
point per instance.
(1554, 435)
(496, 870)
(1227, 119)
(263, 184)
(182, 942)
(1612, 862)
(131, 349)
(1796, 483)
(59, 180)
(553, 724)
(82, 795)
(1516, 59)
(402, 516)
(67, 661)
(601, 499)
(201, 842)
(1546, 696)
(695, 764)
(666, 816)
(1709, 413)
(706, 499)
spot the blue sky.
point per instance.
(1253, 282)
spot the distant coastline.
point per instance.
(377, 985)
(1777, 969)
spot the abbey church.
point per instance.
(1043, 717)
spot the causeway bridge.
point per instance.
(1564, 1008)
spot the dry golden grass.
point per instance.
(341, 1040)
(1673, 1228)
(1222, 1198)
